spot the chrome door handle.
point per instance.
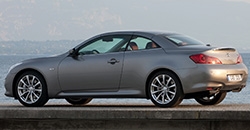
(113, 61)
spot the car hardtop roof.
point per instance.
(142, 32)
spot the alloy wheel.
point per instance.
(165, 89)
(31, 89)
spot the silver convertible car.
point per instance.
(163, 67)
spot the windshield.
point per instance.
(182, 40)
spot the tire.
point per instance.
(78, 101)
(211, 99)
(31, 89)
(165, 89)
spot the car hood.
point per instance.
(37, 63)
(45, 58)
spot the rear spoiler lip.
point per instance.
(224, 49)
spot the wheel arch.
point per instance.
(156, 71)
(19, 74)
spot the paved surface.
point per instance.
(137, 104)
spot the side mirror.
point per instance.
(72, 52)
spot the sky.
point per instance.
(218, 22)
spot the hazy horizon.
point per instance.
(219, 22)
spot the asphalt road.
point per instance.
(114, 104)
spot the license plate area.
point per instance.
(234, 77)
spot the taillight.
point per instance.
(204, 59)
(239, 59)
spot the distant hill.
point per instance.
(36, 47)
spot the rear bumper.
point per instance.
(205, 77)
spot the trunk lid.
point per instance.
(226, 55)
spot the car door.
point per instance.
(96, 67)
(138, 61)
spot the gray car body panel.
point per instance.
(92, 75)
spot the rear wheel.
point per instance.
(31, 89)
(211, 99)
(165, 89)
(78, 101)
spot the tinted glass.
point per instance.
(182, 40)
(141, 43)
(105, 44)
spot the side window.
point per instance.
(139, 43)
(105, 44)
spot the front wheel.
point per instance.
(31, 89)
(165, 89)
(211, 99)
(78, 101)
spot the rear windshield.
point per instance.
(182, 40)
